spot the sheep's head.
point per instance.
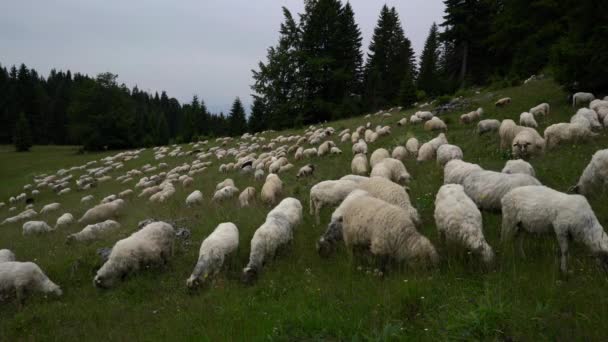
(324, 247)
(194, 282)
(424, 253)
(521, 149)
(250, 275)
(602, 259)
(104, 280)
(487, 254)
(404, 178)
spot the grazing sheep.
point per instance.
(527, 120)
(388, 230)
(103, 212)
(488, 125)
(306, 171)
(329, 193)
(392, 193)
(503, 102)
(412, 145)
(226, 182)
(125, 194)
(272, 189)
(23, 277)
(247, 195)
(153, 244)
(50, 208)
(471, 116)
(24, 215)
(392, 169)
(447, 152)
(595, 176)
(425, 116)
(310, 152)
(588, 114)
(486, 188)
(528, 143)
(428, 150)
(581, 97)
(435, 124)
(360, 147)
(299, 153)
(459, 221)
(542, 110)
(225, 193)
(36, 227)
(402, 122)
(359, 165)
(187, 182)
(6, 255)
(94, 231)
(275, 232)
(258, 175)
(567, 132)
(354, 178)
(285, 168)
(507, 132)
(221, 243)
(456, 170)
(399, 153)
(415, 120)
(519, 166)
(325, 148)
(335, 150)
(195, 198)
(377, 156)
(64, 221)
(596, 105)
(539, 209)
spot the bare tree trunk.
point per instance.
(463, 66)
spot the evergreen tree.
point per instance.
(407, 91)
(258, 118)
(428, 77)
(23, 135)
(237, 122)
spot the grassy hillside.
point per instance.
(301, 296)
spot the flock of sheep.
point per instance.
(372, 203)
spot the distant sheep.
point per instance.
(93, 231)
(246, 196)
(225, 193)
(527, 120)
(519, 166)
(64, 221)
(50, 208)
(36, 227)
(435, 124)
(306, 171)
(488, 125)
(195, 198)
(503, 102)
(581, 97)
(103, 212)
(541, 110)
(471, 116)
(226, 182)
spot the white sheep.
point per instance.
(424, 115)
(377, 156)
(275, 232)
(392, 169)
(226, 182)
(306, 171)
(412, 145)
(103, 212)
(471, 116)
(542, 110)
(519, 166)
(588, 114)
(595, 176)
(428, 150)
(456, 170)
(447, 152)
(272, 189)
(539, 209)
(527, 120)
(329, 193)
(195, 198)
(392, 193)
(359, 165)
(94, 231)
(258, 175)
(153, 244)
(24, 277)
(486, 188)
(581, 97)
(503, 102)
(399, 153)
(50, 208)
(528, 143)
(247, 195)
(7, 255)
(355, 178)
(225, 193)
(435, 124)
(487, 125)
(360, 147)
(567, 132)
(507, 132)
(415, 120)
(24, 215)
(64, 221)
(36, 227)
(221, 243)
(459, 221)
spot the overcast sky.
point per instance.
(186, 47)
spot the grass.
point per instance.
(300, 296)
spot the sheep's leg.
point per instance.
(20, 293)
(317, 214)
(520, 242)
(562, 240)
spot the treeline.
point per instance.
(100, 114)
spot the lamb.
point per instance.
(247, 195)
(377, 156)
(103, 212)
(471, 116)
(93, 231)
(64, 221)
(456, 170)
(459, 221)
(435, 124)
(221, 243)
(542, 110)
(50, 208)
(306, 171)
(527, 120)
(226, 182)
(195, 198)
(359, 165)
(24, 215)
(528, 143)
(447, 152)
(503, 102)
(274, 233)
(488, 125)
(486, 188)
(225, 193)
(519, 166)
(6, 255)
(23, 277)
(399, 153)
(153, 244)
(428, 150)
(392, 193)
(389, 231)
(329, 193)
(581, 97)
(36, 227)
(360, 147)
(539, 209)
(272, 189)
(392, 169)
(595, 176)
(412, 145)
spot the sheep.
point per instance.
(221, 243)
(360, 147)
(285, 168)
(50, 208)
(306, 171)
(503, 102)
(377, 156)
(247, 195)
(459, 221)
(527, 120)
(23, 277)
(595, 176)
(456, 170)
(335, 150)
(402, 122)
(412, 145)
(93, 231)
(425, 116)
(447, 152)
(388, 230)
(471, 116)
(24, 215)
(399, 153)
(195, 198)
(345, 137)
(581, 97)
(542, 110)
(486, 188)
(567, 132)
(428, 150)
(392, 169)
(63, 191)
(392, 193)
(539, 209)
(487, 125)
(596, 105)
(329, 193)
(272, 189)
(435, 124)
(153, 244)
(167, 190)
(359, 165)
(187, 182)
(36, 227)
(258, 175)
(226, 182)
(519, 166)
(102, 212)
(354, 178)
(274, 233)
(225, 193)
(325, 148)
(415, 119)
(588, 114)
(507, 132)
(310, 152)
(6, 255)
(64, 221)
(299, 153)
(125, 194)
(528, 143)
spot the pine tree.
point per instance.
(258, 118)
(237, 122)
(23, 135)
(407, 91)
(428, 77)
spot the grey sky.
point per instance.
(186, 47)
